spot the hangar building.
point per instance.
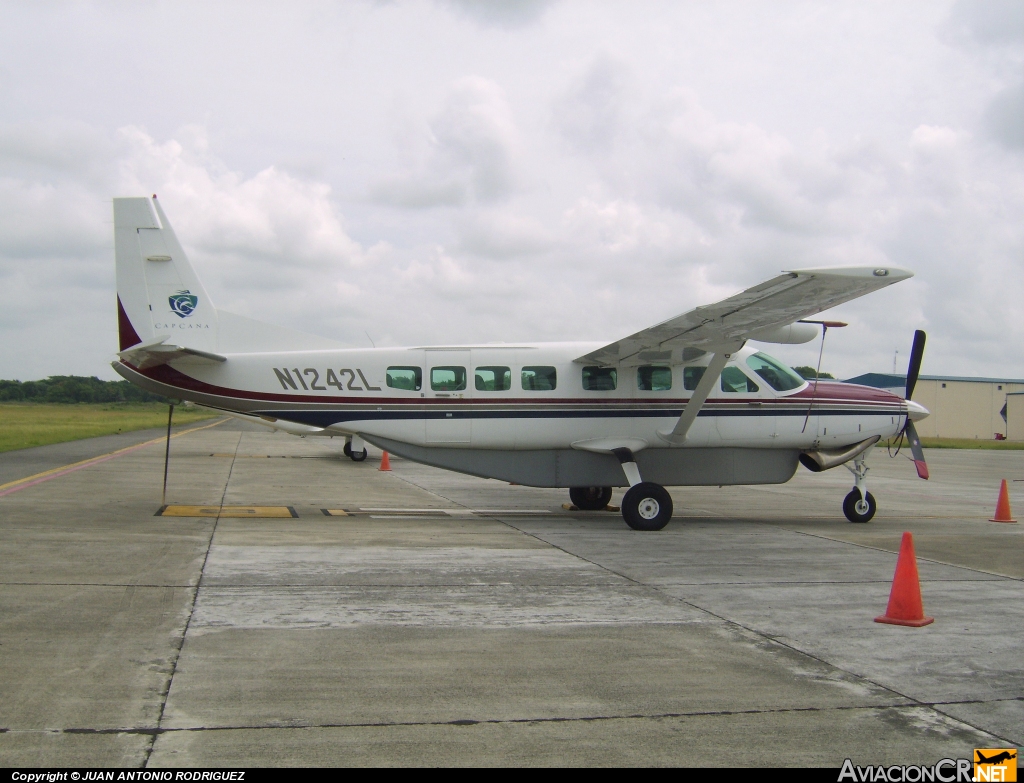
(961, 407)
(1015, 416)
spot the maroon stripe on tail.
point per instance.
(126, 333)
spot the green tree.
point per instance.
(74, 388)
(809, 373)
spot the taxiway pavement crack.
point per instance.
(155, 731)
(191, 611)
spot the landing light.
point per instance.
(881, 272)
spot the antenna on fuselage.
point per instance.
(167, 451)
(817, 373)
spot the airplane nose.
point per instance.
(916, 411)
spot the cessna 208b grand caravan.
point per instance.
(683, 403)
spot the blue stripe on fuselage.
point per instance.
(329, 417)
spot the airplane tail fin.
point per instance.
(162, 304)
(158, 292)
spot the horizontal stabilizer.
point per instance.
(291, 427)
(760, 310)
(157, 352)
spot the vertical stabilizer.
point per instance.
(158, 292)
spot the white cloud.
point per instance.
(1005, 116)
(507, 13)
(545, 171)
(467, 153)
(268, 215)
(500, 233)
(590, 112)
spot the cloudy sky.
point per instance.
(424, 171)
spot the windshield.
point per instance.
(775, 373)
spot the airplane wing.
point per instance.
(762, 309)
(157, 352)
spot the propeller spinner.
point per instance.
(913, 371)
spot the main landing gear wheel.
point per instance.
(858, 509)
(647, 506)
(355, 456)
(590, 498)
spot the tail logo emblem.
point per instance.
(183, 303)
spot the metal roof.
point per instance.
(881, 380)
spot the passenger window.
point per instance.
(539, 378)
(448, 378)
(405, 378)
(733, 380)
(775, 373)
(692, 376)
(650, 378)
(493, 378)
(599, 378)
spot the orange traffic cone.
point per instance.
(1003, 513)
(385, 462)
(905, 607)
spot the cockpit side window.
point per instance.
(734, 381)
(775, 373)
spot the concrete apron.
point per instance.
(740, 635)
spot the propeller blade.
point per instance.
(915, 447)
(914, 368)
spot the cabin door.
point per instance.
(745, 414)
(446, 385)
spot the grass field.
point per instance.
(962, 443)
(37, 424)
(971, 443)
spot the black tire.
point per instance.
(647, 506)
(348, 448)
(590, 498)
(856, 510)
(357, 456)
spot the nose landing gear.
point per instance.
(857, 508)
(859, 505)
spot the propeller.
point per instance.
(913, 371)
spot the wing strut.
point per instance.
(677, 435)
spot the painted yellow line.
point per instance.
(235, 512)
(46, 475)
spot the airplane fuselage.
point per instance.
(534, 398)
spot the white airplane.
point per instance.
(683, 403)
